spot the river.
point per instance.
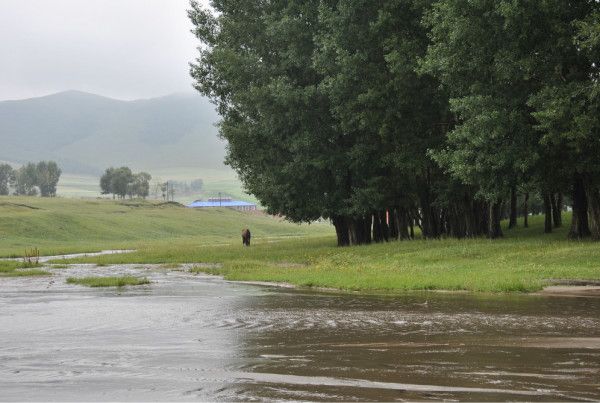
(197, 337)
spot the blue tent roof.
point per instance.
(232, 203)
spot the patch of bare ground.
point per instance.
(571, 291)
(571, 288)
(266, 283)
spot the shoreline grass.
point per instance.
(15, 268)
(525, 260)
(108, 281)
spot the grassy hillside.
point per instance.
(60, 225)
(86, 133)
(524, 260)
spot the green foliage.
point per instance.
(257, 66)
(427, 113)
(26, 180)
(7, 178)
(13, 268)
(483, 53)
(30, 178)
(123, 182)
(48, 174)
(368, 53)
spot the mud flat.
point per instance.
(572, 288)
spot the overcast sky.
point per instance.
(125, 49)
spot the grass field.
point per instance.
(59, 226)
(216, 181)
(306, 255)
(524, 260)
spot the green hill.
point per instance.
(58, 225)
(85, 133)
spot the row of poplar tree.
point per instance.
(30, 179)
(384, 115)
(121, 182)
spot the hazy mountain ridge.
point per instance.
(86, 133)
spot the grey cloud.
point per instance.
(125, 49)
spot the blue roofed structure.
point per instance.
(223, 202)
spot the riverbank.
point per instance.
(525, 260)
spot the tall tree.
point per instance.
(368, 53)
(120, 181)
(7, 178)
(256, 64)
(490, 55)
(140, 186)
(26, 180)
(568, 108)
(48, 175)
(106, 181)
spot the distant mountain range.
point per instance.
(86, 133)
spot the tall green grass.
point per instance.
(107, 281)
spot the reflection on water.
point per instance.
(187, 337)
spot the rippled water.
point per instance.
(195, 337)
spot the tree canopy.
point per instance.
(30, 179)
(389, 115)
(123, 182)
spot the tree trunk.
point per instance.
(377, 233)
(495, 210)
(556, 209)
(360, 230)
(512, 223)
(559, 206)
(579, 220)
(403, 224)
(547, 213)
(393, 223)
(385, 229)
(593, 196)
(430, 226)
(366, 224)
(526, 211)
(381, 231)
(341, 230)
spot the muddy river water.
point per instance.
(197, 337)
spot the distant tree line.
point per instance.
(382, 116)
(122, 182)
(30, 179)
(186, 188)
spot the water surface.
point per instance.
(196, 337)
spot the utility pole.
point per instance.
(220, 199)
